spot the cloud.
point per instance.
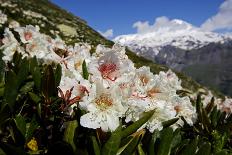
(222, 20)
(161, 23)
(145, 27)
(108, 33)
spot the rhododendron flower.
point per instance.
(3, 18)
(104, 108)
(28, 33)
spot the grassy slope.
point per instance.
(57, 16)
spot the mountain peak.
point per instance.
(174, 32)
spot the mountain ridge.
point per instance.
(188, 49)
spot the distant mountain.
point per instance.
(205, 56)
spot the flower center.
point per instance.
(104, 101)
(144, 79)
(177, 108)
(106, 69)
(153, 92)
(78, 64)
(27, 36)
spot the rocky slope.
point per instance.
(205, 56)
(54, 21)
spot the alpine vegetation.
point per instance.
(64, 89)
(105, 84)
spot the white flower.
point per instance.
(28, 33)
(10, 45)
(104, 108)
(76, 57)
(3, 18)
(109, 67)
(14, 24)
(184, 108)
(226, 105)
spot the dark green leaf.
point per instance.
(49, 85)
(36, 73)
(166, 137)
(190, 148)
(140, 150)
(85, 71)
(209, 106)
(11, 89)
(23, 71)
(70, 132)
(27, 87)
(131, 146)
(58, 74)
(136, 125)
(96, 148)
(221, 153)
(33, 125)
(112, 145)
(169, 122)
(20, 124)
(11, 150)
(152, 142)
(205, 149)
(34, 97)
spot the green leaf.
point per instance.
(191, 148)
(69, 133)
(31, 127)
(213, 116)
(181, 145)
(136, 125)
(58, 74)
(96, 148)
(2, 152)
(11, 89)
(223, 152)
(166, 137)
(169, 122)
(155, 135)
(23, 71)
(205, 149)
(2, 91)
(206, 121)
(85, 71)
(38, 107)
(112, 145)
(27, 87)
(11, 150)
(48, 83)
(36, 73)
(140, 150)
(133, 142)
(210, 105)
(4, 113)
(20, 124)
(34, 97)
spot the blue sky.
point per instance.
(120, 15)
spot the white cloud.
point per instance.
(108, 33)
(222, 20)
(144, 27)
(161, 23)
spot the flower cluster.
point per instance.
(113, 89)
(3, 18)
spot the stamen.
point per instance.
(106, 69)
(104, 101)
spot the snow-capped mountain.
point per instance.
(177, 33)
(206, 56)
